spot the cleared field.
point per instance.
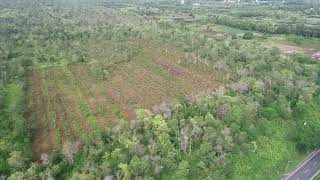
(69, 104)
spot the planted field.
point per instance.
(69, 104)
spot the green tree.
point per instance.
(183, 169)
(17, 160)
(138, 166)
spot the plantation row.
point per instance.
(69, 105)
(64, 110)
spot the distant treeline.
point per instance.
(298, 28)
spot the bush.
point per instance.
(248, 35)
(296, 39)
(268, 112)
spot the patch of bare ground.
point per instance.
(289, 49)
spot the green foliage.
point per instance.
(138, 167)
(291, 26)
(14, 136)
(183, 169)
(248, 35)
(307, 125)
(268, 112)
(17, 161)
(242, 132)
(271, 153)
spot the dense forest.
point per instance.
(156, 90)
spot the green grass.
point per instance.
(317, 177)
(228, 29)
(295, 40)
(303, 41)
(275, 155)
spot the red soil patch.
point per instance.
(156, 89)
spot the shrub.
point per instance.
(248, 35)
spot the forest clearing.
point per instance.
(65, 104)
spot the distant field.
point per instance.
(228, 29)
(68, 103)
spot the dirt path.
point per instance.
(289, 49)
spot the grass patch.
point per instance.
(228, 29)
(274, 156)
